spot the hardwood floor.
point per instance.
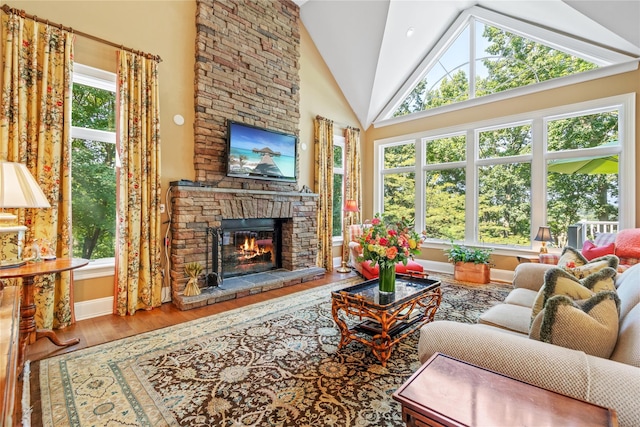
(107, 328)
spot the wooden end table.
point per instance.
(446, 392)
(28, 273)
(385, 318)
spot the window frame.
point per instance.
(538, 158)
(339, 141)
(94, 77)
(611, 63)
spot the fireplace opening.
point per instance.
(250, 246)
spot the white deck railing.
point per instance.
(588, 230)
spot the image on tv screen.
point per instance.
(256, 152)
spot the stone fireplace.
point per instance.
(195, 209)
(246, 70)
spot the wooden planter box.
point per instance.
(470, 272)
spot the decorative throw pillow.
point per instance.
(574, 263)
(590, 325)
(591, 251)
(559, 282)
(628, 243)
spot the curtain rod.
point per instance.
(10, 10)
(342, 125)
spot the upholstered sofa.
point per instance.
(624, 244)
(366, 268)
(500, 342)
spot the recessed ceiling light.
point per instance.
(410, 31)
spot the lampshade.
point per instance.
(351, 206)
(19, 189)
(544, 235)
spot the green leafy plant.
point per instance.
(462, 253)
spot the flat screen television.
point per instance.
(259, 153)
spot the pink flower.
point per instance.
(375, 221)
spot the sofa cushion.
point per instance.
(507, 316)
(628, 243)
(628, 288)
(603, 239)
(370, 271)
(590, 325)
(559, 282)
(628, 346)
(591, 251)
(521, 296)
(573, 262)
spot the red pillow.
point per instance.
(628, 243)
(591, 251)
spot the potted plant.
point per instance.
(471, 264)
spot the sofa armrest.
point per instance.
(569, 372)
(530, 275)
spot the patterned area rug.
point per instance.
(269, 364)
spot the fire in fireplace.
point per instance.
(250, 246)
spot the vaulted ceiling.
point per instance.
(365, 44)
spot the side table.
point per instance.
(449, 392)
(28, 273)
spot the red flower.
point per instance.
(383, 241)
(393, 233)
(375, 221)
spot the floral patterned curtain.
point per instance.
(323, 141)
(138, 281)
(352, 180)
(35, 128)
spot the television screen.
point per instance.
(260, 153)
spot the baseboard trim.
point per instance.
(93, 308)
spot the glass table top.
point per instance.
(407, 287)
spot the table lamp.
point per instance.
(18, 189)
(544, 236)
(350, 206)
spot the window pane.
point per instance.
(93, 108)
(591, 130)
(445, 216)
(337, 156)
(399, 196)
(504, 205)
(574, 197)
(94, 199)
(337, 205)
(506, 61)
(446, 150)
(505, 142)
(399, 155)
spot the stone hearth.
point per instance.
(250, 284)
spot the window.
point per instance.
(494, 183)
(93, 162)
(486, 53)
(338, 185)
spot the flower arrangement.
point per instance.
(388, 244)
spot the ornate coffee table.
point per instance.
(385, 319)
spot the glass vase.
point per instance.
(387, 279)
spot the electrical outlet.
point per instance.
(162, 208)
